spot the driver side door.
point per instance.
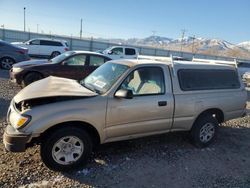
(150, 110)
(33, 47)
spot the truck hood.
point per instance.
(53, 87)
(30, 63)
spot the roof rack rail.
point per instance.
(233, 63)
(155, 58)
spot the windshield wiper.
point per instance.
(90, 87)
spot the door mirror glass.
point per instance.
(124, 93)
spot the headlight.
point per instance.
(17, 69)
(21, 121)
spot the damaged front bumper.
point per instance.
(15, 141)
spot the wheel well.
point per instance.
(50, 57)
(8, 57)
(54, 52)
(217, 113)
(32, 72)
(78, 124)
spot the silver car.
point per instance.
(10, 54)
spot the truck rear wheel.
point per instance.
(66, 149)
(204, 130)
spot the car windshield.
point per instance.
(61, 57)
(103, 78)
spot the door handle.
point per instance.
(162, 103)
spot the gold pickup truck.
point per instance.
(122, 99)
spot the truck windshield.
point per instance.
(103, 78)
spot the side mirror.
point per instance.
(110, 52)
(124, 93)
(65, 62)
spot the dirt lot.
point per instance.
(167, 160)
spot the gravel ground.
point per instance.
(167, 160)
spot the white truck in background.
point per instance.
(121, 52)
(125, 52)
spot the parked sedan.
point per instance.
(73, 64)
(10, 54)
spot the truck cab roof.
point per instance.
(177, 64)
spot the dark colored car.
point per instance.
(73, 64)
(10, 54)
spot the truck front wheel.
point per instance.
(66, 149)
(204, 130)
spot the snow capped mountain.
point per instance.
(217, 43)
(202, 43)
(191, 44)
(245, 45)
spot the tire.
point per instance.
(204, 130)
(54, 54)
(6, 63)
(66, 149)
(31, 77)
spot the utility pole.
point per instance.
(24, 24)
(193, 38)
(183, 31)
(81, 30)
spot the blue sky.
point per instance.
(224, 19)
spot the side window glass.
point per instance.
(145, 81)
(117, 51)
(45, 43)
(129, 51)
(96, 60)
(76, 60)
(244, 65)
(35, 42)
(208, 79)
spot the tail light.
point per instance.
(66, 49)
(22, 51)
